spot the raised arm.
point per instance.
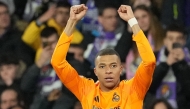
(143, 77)
(64, 70)
(31, 35)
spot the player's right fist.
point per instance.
(77, 12)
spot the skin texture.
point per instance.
(8, 72)
(8, 99)
(176, 54)
(60, 14)
(109, 19)
(143, 19)
(108, 69)
(48, 50)
(160, 106)
(4, 17)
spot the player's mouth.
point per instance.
(109, 79)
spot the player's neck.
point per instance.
(108, 89)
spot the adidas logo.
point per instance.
(96, 99)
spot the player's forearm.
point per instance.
(63, 44)
(135, 28)
(70, 27)
(143, 45)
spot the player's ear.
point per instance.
(121, 69)
(95, 72)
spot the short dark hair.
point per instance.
(176, 27)
(107, 51)
(64, 4)
(102, 8)
(3, 4)
(8, 58)
(48, 31)
(166, 103)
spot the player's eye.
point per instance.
(113, 66)
(101, 66)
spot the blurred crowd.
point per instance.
(30, 29)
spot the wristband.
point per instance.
(132, 21)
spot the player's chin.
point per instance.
(110, 84)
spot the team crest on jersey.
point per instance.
(116, 97)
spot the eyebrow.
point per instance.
(110, 63)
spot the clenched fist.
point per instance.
(125, 12)
(77, 12)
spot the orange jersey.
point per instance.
(128, 95)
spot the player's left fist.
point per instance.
(125, 12)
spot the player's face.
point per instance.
(108, 69)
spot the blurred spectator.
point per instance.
(82, 65)
(154, 32)
(173, 11)
(77, 105)
(35, 8)
(90, 20)
(171, 76)
(10, 97)
(111, 33)
(11, 5)
(150, 26)
(151, 4)
(15, 8)
(48, 101)
(160, 104)
(40, 79)
(55, 16)
(11, 71)
(10, 38)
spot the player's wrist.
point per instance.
(72, 20)
(132, 21)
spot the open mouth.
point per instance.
(109, 79)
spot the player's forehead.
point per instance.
(107, 59)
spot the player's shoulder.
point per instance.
(125, 85)
(125, 82)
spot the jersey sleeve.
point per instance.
(143, 76)
(67, 74)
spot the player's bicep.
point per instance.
(70, 78)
